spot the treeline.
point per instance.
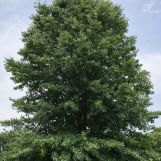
(29, 146)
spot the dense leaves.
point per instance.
(81, 75)
(26, 146)
(155, 137)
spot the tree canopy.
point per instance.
(87, 96)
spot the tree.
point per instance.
(82, 77)
(28, 146)
(155, 139)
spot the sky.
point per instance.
(144, 22)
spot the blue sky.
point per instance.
(144, 22)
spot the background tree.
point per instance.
(81, 74)
(156, 139)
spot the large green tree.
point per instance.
(82, 79)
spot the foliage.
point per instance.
(81, 76)
(155, 137)
(25, 146)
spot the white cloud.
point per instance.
(156, 11)
(147, 7)
(152, 63)
(152, 7)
